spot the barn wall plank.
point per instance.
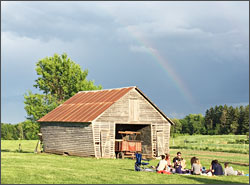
(70, 138)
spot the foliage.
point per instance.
(227, 120)
(59, 79)
(217, 120)
(8, 131)
(38, 105)
(191, 124)
(24, 130)
(176, 128)
(30, 129)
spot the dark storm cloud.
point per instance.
(63, 20)
(206, 43)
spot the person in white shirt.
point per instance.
(230, 171)
(162, 165)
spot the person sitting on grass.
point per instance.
(230, 170)
(196, 167)
(162, 166)
(216, 168)
(167, 158)
(170, 168)
(179, 159)
(192, 160)
(179, 163)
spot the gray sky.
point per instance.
(185, 56)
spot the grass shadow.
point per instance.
(5, 150)
(211, 181)
(15, 151)
(23, 152)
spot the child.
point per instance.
(230, 171)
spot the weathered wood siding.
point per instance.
(69, 138)
(104, 147)
(132, 108)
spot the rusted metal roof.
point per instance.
(85, 106)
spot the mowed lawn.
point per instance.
(30, 168)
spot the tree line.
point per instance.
(24, 130)
(218, 120)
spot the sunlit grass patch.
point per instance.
(31, 168)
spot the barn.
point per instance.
(91, 123)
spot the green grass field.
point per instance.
(215, 143)
(30, 168)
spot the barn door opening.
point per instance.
(139, 141)
(160, 143)
(105, 144)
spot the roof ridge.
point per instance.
(108, 89)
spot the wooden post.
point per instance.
(20, 147)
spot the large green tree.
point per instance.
(59, 78)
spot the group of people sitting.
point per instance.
(179, 166)
(165, 166)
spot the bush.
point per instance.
(25, 130)
(30, 130)
(8, 131)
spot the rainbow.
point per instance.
(164, 64)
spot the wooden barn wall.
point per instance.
(71, 138)
(104, 147)
(132, 108)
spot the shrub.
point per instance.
(25, 130)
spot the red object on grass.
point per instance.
(164, 172)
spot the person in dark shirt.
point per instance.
(177, 160)
(179, 163)
(216, 168)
